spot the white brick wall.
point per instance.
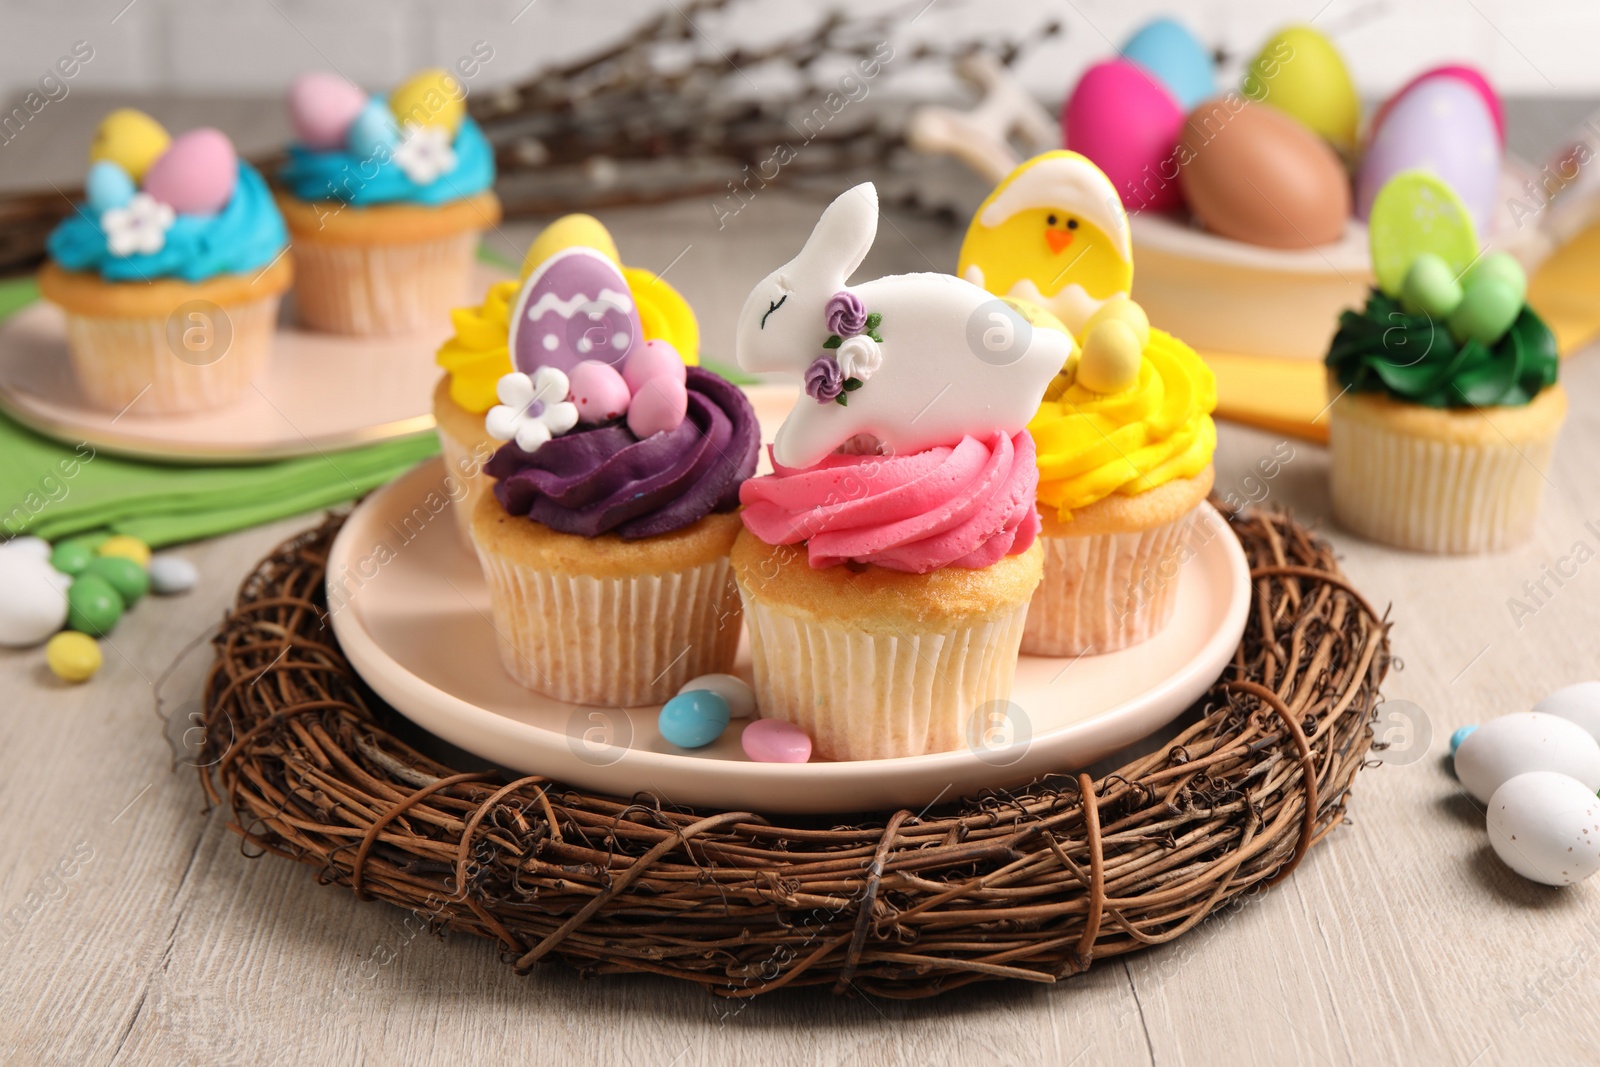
(1530, 47)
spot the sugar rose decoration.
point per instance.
(854, 353)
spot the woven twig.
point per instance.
(1031, 884)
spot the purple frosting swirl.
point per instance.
(824, 380)
(845, 314)
(605, 480)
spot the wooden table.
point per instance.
(134, 930)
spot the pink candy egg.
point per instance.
(1442, 126)
(1127, 123)
(598, 391)
(1468, 76)
(322, 106)
(775, 741)
(653, 359)
(196, 174)
(660, 404)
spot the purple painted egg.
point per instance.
(321, 107)
(196, 174)
(775, 741)
(1443, 126)
(598, 391)
(659, 405)
(574, 306)
(653, 359)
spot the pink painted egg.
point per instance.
(598, 391)
(196, 174)
(1470, 76)
(653, 359)
(574, 306)
(1441, 125)
(1127, 123)
(775, 741)
(322, 107)
(658, 406)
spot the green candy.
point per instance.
(71, 557)
(1430, 287)
(1503, 267)
(130, 580)
(1487, 310)
(93, 605)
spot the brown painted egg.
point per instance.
(1256, 175)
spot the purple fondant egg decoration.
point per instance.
(575, 306)
(598, 391)
(322, 107)
(196, 174)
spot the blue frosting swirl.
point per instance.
(340, 174)
(244, 236)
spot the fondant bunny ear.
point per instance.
(843, 234)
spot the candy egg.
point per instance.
(570, 231)
(1503, 268)
(373, 134)
(32, 606)
(653, 359)
(693, 719)
(1443, 127)
(1127, 123)
(735, 690)
(1578, 703)
(124, 575)
(37, 547)
(126, 547)
(93, 606)
(130, 139)
(1430, 287)
(322, 108)
(775, 741)
(598, 390)
(1254, 174)
(1301, 74)
(1110, 360)
(1503, 748)
(170, 575)
(1546, 827)
(573, 306)
(107, 186)
(71, 557)
(72, 656)
(1416, 213)
(1167, 49)
(431, 98)
(658, 406)
(1488, 308)
(197, 174)
(1120, 308)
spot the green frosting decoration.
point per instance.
(1384, 349)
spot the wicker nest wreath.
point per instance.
(1033, 884)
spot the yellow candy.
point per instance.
(1110, 360)
(73, 657)
(570, 231)
(130, 139)
(432, 98)
(1122, 309)
(126, 547)
(1299, 72)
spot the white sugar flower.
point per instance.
(424, 153)
(140, 225)
(859, 357)
(531, 410)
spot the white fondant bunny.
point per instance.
(955, 360)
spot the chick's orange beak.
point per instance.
(1057, 239)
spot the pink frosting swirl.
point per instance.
(963, 506)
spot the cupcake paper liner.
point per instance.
(374, 289)
(617, 642)
(461, 465)
(876, 695)
(119, 360)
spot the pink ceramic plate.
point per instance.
(412, 614)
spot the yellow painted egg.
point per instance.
(1110, 360)
(1121, 308)
(1299, 72)
(130, 139)
(432, 98)
(570, 231)
(72, 656)
(124, 547)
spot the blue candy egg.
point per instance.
(373, 132)
(694, 719)
(1460, 736)
(1167, 49)
(107, 186)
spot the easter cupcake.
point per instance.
(1124, 435)
(582, 287)
(1444, 403)
(386, 201)
(605, 540)
(887, 563)
(170, 273)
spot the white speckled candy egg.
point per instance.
(32, 603)
(1580, 703)
(1503, 748)
(1546, 827)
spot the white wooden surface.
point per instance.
(134, 931)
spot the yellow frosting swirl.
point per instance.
(1092, 445)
